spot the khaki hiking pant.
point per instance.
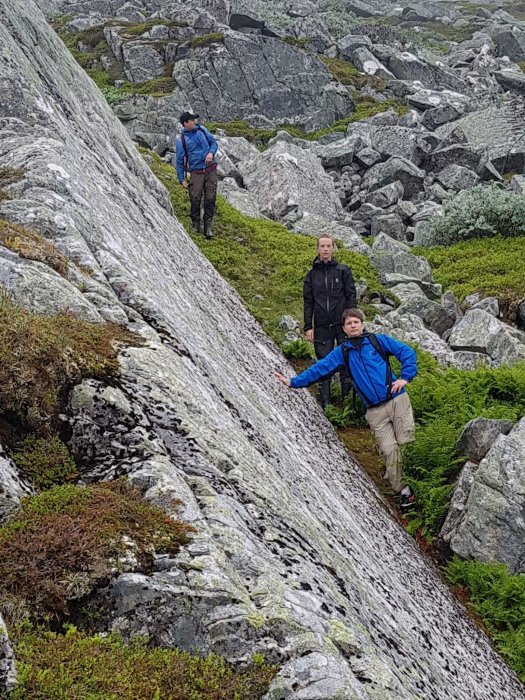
(392, 424)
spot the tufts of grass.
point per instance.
(41, 357)
(8, 176)
(44, 462)
(206, 39)
(77, 666)
(492, 266)
(32, 246)
(259, 257)
(498, 597)
(143, 27)
(68, 540)
(346, 73)
(301, 42)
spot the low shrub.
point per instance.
(492, 266)
(42, 356)
(44, 462)
(298, 350)
(498, 597)
(484, 210)
(77, 667)
(66, 541)
(259, 257)
(347, 74)
(32, 246)
(301, 42)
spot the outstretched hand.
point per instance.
(398, 385)
(282, 378)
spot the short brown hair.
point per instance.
(352, 313)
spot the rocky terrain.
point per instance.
(296, 555)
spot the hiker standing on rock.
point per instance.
(389, 412)
(196, 149)
(328, 290)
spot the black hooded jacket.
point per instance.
(328, 290)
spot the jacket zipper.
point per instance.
(326, 287)
(364, 367)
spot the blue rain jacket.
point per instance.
(199, 143)
(368, 369)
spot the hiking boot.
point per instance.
(407, 503)
(207, 230)
(196, 225)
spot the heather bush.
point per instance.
(484, 210)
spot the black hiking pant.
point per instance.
(325, 340)
(203, 184)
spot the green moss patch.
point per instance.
(42, 356)
(32, 246)
(493, 266)
(498, 597)
(44, 462)
(69, 539)
(347, 74)
(77, 667)
(259, 258)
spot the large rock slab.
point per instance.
(262, 80)
(479, 331)
(492, 527)
(287, 178)
(12, 487)
(395, 168)
(479, 434)
(295, 555)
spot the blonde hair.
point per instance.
(326, 235)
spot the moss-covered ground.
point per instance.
(493, 266)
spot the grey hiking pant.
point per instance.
(392, 424)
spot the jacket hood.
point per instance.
(318, 262)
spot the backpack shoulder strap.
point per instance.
(199, 127)
(385, 354)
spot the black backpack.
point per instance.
(385, 355)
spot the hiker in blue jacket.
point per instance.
(389, 412)
(196, 149)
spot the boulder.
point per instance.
(492, 527)
(287, 178)
(457, 154)
(406, 66)
(433, 315)
(489, 304)
(391, 224)
(239, 198)
(365, 61)
(12, 488)
(458, 502)
(8, 674)
(478, 435)
(360, 9)
(386, 196)
(340, 152)
(450, 303)
(479, 331)
(396, 141)
(511, 79)
(366, 157)
(387, 257)
(142, 61)
(407, 292)
(517, 184)
(466, 360)
(395, 168)
(510, 41)
(457, 177)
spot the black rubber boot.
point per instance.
(196, 225)
(324, 391)
(207, 229)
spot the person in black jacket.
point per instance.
(328, 290)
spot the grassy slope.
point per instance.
(259, 257)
